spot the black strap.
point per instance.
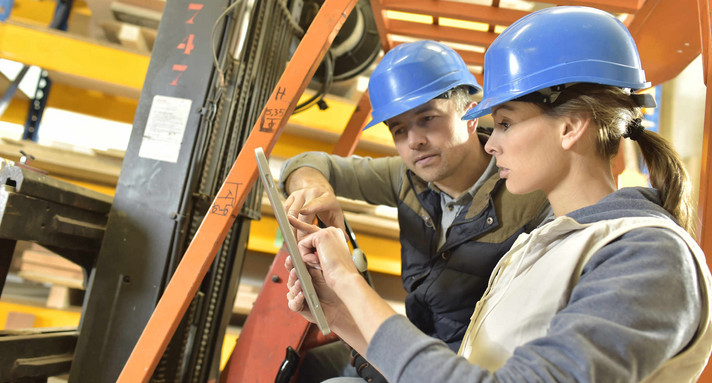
(365, 370)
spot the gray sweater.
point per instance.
(604, 335)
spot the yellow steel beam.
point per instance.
(78, 100)
(108, 68)
(33, 11)
(334, 120)
(383, 253)
(92, 103)
(296, 140)
(16, 112)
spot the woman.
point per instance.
(613, 289)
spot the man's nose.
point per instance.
(415, 139)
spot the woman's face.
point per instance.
(527, 146)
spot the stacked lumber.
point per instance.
(42, 265)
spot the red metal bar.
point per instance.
(456, 10)
(704, 209)
(704, 236)
(615, 6)
(441, 33)
(223, 211)
(352, 131)
(668, 37)
(379, 15)
(268, 330)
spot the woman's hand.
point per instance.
(353, 309)
(330, 303)
(336, 258)
(325, 249)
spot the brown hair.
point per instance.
(613, 110)
(460, 95)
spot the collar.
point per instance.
(466, 197)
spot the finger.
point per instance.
(320, 203)
(296, 303)
(303, 226)
(292, 278)
(287, 203)
(295, 288)
(296, 205)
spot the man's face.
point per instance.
(434, 142)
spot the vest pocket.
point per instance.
(410, 283)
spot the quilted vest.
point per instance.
(444, 284)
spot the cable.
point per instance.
(288, 15)
(221, 75)
(326, 84)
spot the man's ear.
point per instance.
(573, 129)
(471, 124)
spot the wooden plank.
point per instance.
(128, 35)
(17, 320)
(63, 162)
(154, 5)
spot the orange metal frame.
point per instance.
(223, 211)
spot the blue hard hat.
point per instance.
(556, 46)
(412, 74)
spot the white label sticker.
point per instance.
(165, 126)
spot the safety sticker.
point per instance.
(165, 127)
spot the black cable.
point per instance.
(326, 84)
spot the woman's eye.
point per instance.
(504, 125)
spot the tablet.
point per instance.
(291, 242)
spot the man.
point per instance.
(456, 217)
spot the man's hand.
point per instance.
(310, 196)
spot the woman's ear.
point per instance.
(573, 129)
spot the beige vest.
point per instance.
(556, 253)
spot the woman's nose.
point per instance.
(491, 147)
